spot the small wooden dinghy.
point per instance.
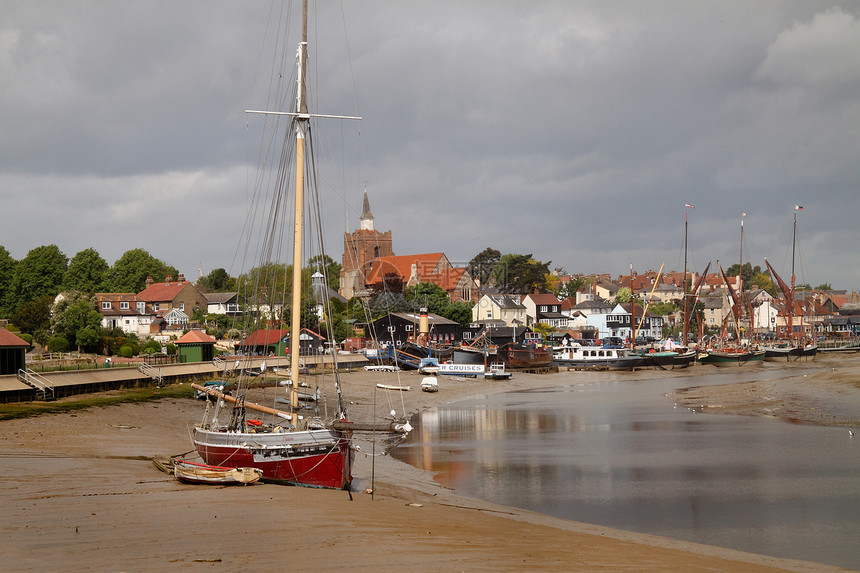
(192, 472)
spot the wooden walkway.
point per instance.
(101, 379)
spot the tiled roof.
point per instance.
(543, 298)
(220, 297)
(401, 265)
(195, 337)
(265, 337)
(162, 292)
(9, 339)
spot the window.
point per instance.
(105, 306)
(182, 306)
(123, 305)
(543, 308)
(141, 307)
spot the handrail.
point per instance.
(151, 371)
(36, 381)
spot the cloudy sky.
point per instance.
(574, 131)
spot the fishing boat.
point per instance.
(530, 353)
(577, 356)
(721, 352)
(731, 356)
(287, 446)
(793, 348)
(196, 473)
(412, 353)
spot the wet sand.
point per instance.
(80, 493)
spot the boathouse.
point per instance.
(195, 346)
(12, 352)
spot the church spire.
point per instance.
(366, 218)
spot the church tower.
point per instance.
(360, 249)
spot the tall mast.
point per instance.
(632, 311)
(301, 125)
(790, 301)
(686, 299)
(301, 122)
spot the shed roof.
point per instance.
(9, 339)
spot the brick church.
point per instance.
(368, 259)
(360, 249)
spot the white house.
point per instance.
(500, 307)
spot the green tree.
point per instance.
(58, 343)
(748, 273)
(7, 268)
(482, 265)
(387, 302)
(89, 334)
(460, 312)
(521, 274)
(568, 288)
(218, 280)
(38, 274)
(267, 284)
(152, 346)
(824, 286)
(663, 308)
(86, 273)
(130, 271)
(71, 314)
(764, 282)
(623, 296)
(429, 294)
(35, 315)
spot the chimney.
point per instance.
(168, 279)
(181, 278)
(149, 282)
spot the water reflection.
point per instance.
(620, 454)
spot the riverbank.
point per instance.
(81, 494)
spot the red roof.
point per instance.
(265, 337)
(401, 265)
(8, 339)
(543, 298)
(426, 268)
(162, 292)
(195, 337)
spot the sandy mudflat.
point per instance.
(79, 493)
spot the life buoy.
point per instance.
(254, 423)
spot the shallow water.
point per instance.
(616, 451)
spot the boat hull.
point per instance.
(616, 363)
(312, 458)
(732, 357)
(524, 356)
